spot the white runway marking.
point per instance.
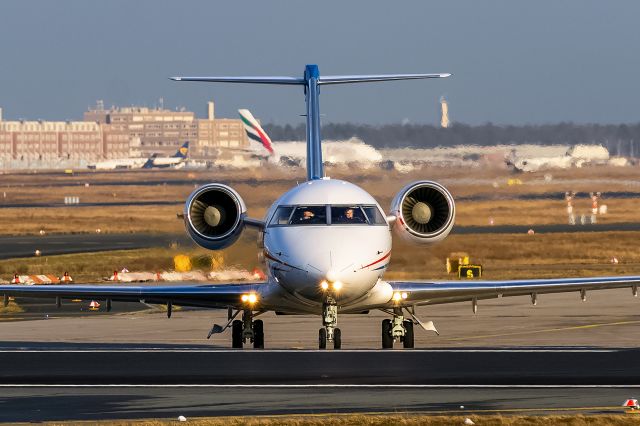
(349, 386)
(360, 351)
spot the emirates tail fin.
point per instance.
(254, 131)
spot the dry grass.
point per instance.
(91, 267)
(503, 257)
(263, 186)
(11, 308)
(383, 420)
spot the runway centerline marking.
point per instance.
(547, 330)
(301, 351)
(319, 385)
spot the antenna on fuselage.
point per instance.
(312, 82)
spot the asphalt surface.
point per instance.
(34, 404)
(25, 246)
(131, 365)
(511, 357)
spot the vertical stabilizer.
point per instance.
(255, 131)
(183, 151)
(312, 82)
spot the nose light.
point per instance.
(335, 285)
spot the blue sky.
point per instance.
(513, 62)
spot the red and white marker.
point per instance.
(631, 404)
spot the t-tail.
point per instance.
(311, 81)
(255, 131)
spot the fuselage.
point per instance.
(324, 238)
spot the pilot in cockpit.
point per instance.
(349, 216)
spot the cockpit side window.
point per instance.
(374, 215)
(347, 215)
(282, 216)
(309, 215)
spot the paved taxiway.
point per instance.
(25, 246)
(506, 333)
(49, 245)
(132, 365)
(29, 404)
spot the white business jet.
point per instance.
(326, 246)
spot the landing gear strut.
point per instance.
(329, 332)
(247, 330)
(397, 328)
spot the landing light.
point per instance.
(324, 285)
(250, 298)
(337, 285)
(397, 296)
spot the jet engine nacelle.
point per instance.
(214, 216)
(424, 211)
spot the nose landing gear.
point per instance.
(329, 332)
(397, 329)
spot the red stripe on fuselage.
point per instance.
(377, 261)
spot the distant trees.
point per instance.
(620, 139)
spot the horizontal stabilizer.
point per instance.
(343, 79)
(254, 80)
(330, 79)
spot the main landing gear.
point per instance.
(329, 332)
(397, 328)
(243, 331)
(247, 330)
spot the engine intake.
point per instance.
(214, 216)
(425, 212)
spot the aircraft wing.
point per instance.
(183, 294)
(438, 292)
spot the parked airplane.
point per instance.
(326, 244)
(254, 131)
(176, 160)
(352, 151)
(119, 163)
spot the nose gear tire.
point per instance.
(337, 338)
(322, 339)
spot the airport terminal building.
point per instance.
(115, 133)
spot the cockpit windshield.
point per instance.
(328, 215)
(309, 215)
(347, 215)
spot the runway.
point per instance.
(35, 404)
(133, 365)
(85, 382)
(561, 356)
